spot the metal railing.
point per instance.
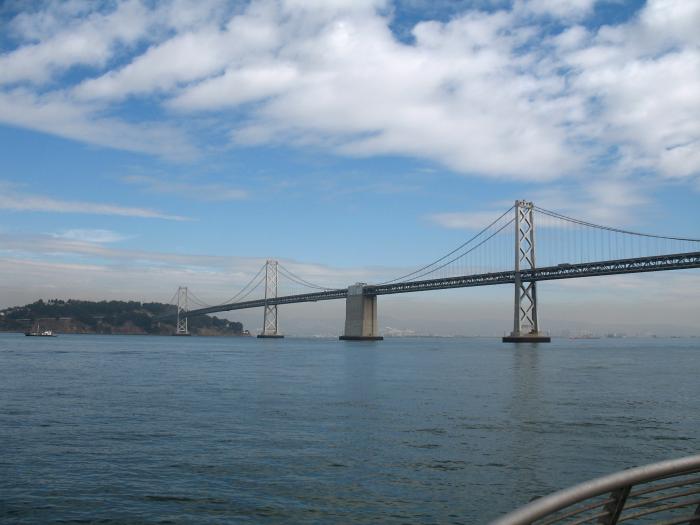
(665, 493)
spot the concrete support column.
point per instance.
(360, 315)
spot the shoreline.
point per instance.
(129, 333)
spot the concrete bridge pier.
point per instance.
(360, 315)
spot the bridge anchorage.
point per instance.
(525, 320)
(270, 328)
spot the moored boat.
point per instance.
(40, 333)
(45, 333)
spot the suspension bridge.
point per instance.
(506, 251)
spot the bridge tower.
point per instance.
(270, 315)
(360, 315)
(182, 309)
(525, 322)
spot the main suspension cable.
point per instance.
(470, 250)
(452, 252)
(610, 228)
(260, 281)
(299, 280)
(193, 298)
(242, 290)
(172, 299)
(204, 304)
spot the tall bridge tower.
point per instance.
(182, 308)
(525, 321)
(270, 328)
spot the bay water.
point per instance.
(145, 429)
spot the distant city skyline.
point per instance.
(151, 145)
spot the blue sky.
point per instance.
(150, 144)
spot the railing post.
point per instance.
(614, 508)
(696, 521)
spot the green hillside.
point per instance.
(108, 317)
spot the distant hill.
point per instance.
(108, 317)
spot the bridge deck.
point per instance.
(679, 261)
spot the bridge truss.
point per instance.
(681, 261)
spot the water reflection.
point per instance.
(529, 413)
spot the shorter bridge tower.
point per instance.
(360, 315)
(525, 323)
(182, 309)
(270, 329)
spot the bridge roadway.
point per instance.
(679, 261)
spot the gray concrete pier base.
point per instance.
(270, 336)
(360, 316)
(533, 337)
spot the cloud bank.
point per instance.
(490, 92)
(13, 200)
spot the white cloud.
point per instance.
(235, 87)
(16, 201)
(568, 9)
(465, 220)
(204, 51)
(89, 41)
(456, 96)
(59, 36)
(41, 245)
(486, 93)
(643, 81)
(55, 113)
(160, 68)
(200, 191)
(92, 236)
(148, 274)
(608, 202)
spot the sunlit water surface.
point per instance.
(128, 429)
